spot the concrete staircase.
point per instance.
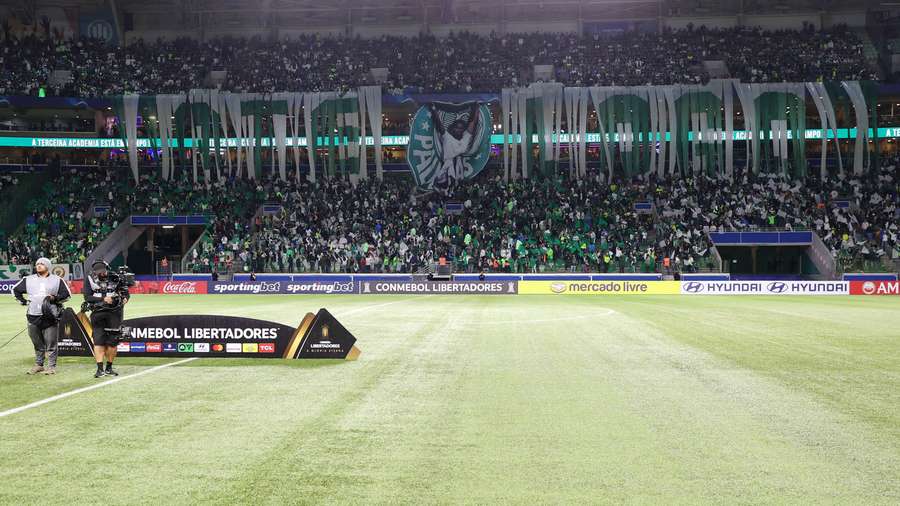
(189, 254)
(115, 244)
(870, 51)
(822, 258)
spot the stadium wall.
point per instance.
(151, 28)
(854, 19)
(498, 285)
(329, 31)
(770, 21)
(375, 31)
(543, 27)
(479, 28)
(696, 22)
(151, 35)
(783, 22)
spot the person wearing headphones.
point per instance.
(44, 291)
(108, 301)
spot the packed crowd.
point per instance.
(754, 55)
(524, 226)
(58, 223)
(536, 226)
(62, 222)
(866, 231)
(461, 62)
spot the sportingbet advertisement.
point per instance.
(212, 336)
(282, 287)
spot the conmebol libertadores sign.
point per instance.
(318, 336)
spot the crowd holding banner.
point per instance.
(685, 130)
(194, 127)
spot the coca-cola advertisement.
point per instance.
(183, 287)
(157, 287)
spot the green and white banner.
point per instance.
(685, 129)
(195, 129)
(448, 143)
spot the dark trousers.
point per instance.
(44, 341)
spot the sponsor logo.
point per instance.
(325, 345)
(692, 287)
(185, 347)
(233, 348)
(437, 287)
(248, 287)
(580, 287)
(766, 288)
(154, 347)
(123, 347)
(777, 287)
(218, 348)
(169, 348)
(201, 347)
(610, 286)
(181, 287)
(875, 288)
(138, 347)
(250, 348)
(6, 287)
(267, 347)
(320, 287)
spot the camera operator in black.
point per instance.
(108, 313)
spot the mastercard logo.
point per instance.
(218, 347)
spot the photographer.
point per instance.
(106, 296)
(46, 292)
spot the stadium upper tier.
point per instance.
(462, 62)
(524, 226)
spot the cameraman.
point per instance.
(43, 289)
(108, 300)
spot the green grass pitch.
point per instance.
(485, 400)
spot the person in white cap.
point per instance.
(42, 328)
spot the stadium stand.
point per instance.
(384, 226)
(526, 226)
(451, 64)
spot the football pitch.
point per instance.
(479, 399)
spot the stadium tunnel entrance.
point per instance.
(147, 253)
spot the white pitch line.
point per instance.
(89, 388)
(157, 368)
